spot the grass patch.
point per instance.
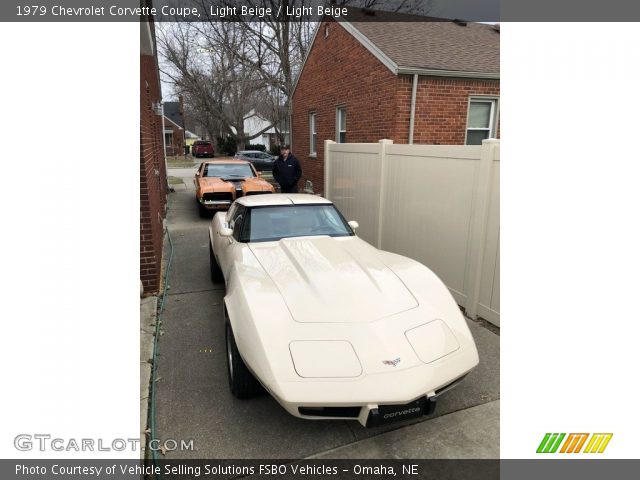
(175, 181)
(180, 162)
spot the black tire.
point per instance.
(241, 382)
(216, 273)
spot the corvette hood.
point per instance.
(325, 279)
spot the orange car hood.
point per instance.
(253, 183)
(215, 184)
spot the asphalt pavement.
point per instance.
(194, 402)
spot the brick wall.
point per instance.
(441, 108)
(153, 190)
(341, 72)
(176, 147)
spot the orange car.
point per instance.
(219, 182)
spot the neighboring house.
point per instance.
(174, 132)
(153, 175)
(423, 81)
(190, 138)
(255, 123)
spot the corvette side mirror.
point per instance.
(197, 174)
(226, 232)
(353, 224)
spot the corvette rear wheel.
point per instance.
(241, 382)
(216, 273)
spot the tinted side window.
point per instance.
(245, 235)
(236, 221)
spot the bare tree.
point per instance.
(216, 85)
(276, 46)
(225, 69)
(418, 7)
(275, 50)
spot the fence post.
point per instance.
(383, 163)
(327, 161)
(479, 218)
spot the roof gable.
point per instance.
(432, 44)
(423, 45)
(172, 112)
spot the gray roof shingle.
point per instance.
(429, 43)
(172, 112)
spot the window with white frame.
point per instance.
(313, 135)
(341, 125)
(481, 120)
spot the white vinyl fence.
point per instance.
(438, 204)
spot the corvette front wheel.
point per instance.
(216, 273)
(241, 382)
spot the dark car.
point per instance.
(260, 160)
(202, 148)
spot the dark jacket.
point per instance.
(287, 172)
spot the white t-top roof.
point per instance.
(281, 199)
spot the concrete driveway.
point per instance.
(194, 402)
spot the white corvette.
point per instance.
(330, 326)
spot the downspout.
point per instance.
(164, 145)
(414, 91)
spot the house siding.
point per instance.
(339, 71)
(153, 189)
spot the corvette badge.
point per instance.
(393, 362)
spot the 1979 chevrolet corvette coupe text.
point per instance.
(330, 326)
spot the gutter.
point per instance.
(446, 73)
(412, 116)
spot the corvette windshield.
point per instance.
(264, 224)
(224, 170)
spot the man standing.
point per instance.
(286, 171)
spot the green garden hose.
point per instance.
(154, 368)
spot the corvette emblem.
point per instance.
(393, 362)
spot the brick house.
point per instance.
(416, 80)
(174, 132)
(153, 175)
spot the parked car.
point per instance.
(219, 182)
(330, 326)
(261, 160)
(202, 148)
